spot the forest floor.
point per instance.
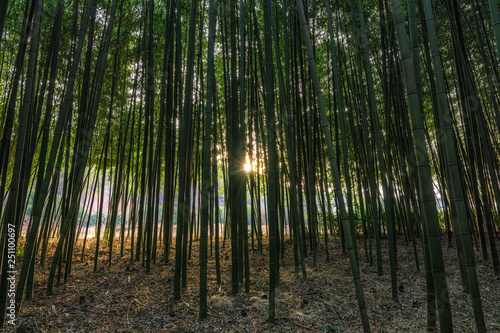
(124, 298)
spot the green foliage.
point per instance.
(20, 249)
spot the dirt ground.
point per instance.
(124, 298)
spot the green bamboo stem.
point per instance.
(206, 181)
(495, 16)
(334, 169)
(424, 173)
(462, 223)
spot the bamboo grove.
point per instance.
(245, 124)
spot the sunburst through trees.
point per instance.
(277, 127)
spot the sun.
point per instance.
(248, 167)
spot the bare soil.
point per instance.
(124, 298)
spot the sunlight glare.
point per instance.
(248, 167)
